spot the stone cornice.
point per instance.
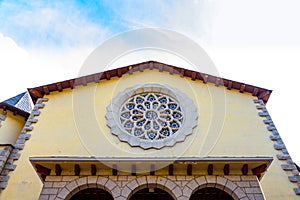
(150, 159)
(58, 166)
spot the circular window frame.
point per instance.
(189, 111)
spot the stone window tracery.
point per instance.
(151, 116)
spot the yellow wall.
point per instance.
(11, 127)
(73, 123)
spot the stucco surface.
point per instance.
(10, 127)
(73, 123)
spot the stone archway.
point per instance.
(152, 182)
(178, 187)
(210, 193)
(151, 193)
(92, 194)
(81, 184)
(217, 182)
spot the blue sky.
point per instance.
(43, 23)
(251, 41)
(56, 23)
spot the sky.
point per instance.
(252, 41)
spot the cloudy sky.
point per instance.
(251, 41)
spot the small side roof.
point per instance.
(20, 104)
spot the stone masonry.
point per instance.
(179, 187)
(11, 153)
(283, 154)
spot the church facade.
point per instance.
(146, 131)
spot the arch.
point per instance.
(209, 193)
(92, 193)
(151, 193)
(84, 182)
(143, 182)
(219, 182)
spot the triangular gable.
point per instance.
(259, 92)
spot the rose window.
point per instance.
(151, 116)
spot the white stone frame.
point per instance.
(188, 109)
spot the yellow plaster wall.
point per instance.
(73, 123)
(11, 127)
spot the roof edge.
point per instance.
(40, 91)
(156, 159)
(14, 110)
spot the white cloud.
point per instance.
(192, 18)
(13, 68)
(46, 42)
(232, 22)
(270, 67)
(23, 69)
(257, 22)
